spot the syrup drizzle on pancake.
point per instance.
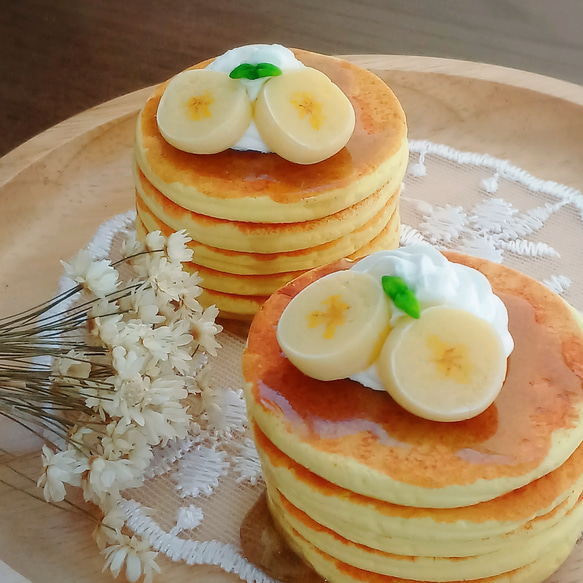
(510, 438)
(379, 133)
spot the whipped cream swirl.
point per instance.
(436, 281)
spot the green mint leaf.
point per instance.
(407, 302)
(402, 296)
(268, 70)
(243, 71)
(393, 285)
(252, 72)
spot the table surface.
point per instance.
(60, 57)
(77, 174)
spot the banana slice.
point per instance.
(203, 112)
(336, 326)
(447, 366)
(303, 116)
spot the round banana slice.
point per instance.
(303, 116)
(203, 112)
(336, 326)
(448, 365)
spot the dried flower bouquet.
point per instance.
(106, 380)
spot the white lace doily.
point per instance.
(198, 490)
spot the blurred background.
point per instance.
(60, 57)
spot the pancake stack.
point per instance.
(257, 220)
(366, 491)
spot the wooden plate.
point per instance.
(56, 189)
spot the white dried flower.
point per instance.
(176, 249)
(204, 380)
(159, 428)
(131, 246)
(73, 366)
(159, 342)
(131, 335)
(167, 279)
(177, 416)
(155, 241)
(144, 347)
(135, 554)
(165, 389)
(192, 290)
(187, 303)
(199, 361)
(127, 363)
(128, 442)
(204, 329)
(141, 305)
(97, 394)
(63, 467)
(141, 264)
(86, 438)
(180, 355)
(96, 276)
(107, 328)
(127, 400)
(109, 527)
(109, 477)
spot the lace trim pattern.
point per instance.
(199, 489)
(192, 552)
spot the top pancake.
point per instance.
(363, 441)
(251, 186)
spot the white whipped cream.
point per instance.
(277, 55)
(435, 281)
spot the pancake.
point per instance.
(364, 442)
(265, 284)
(267, 237)
(509, 557)
(244, 307)
(463, 531)
(257, 220)
(535, 532)
(256, 187)
(365, 491)
(244, 263)
(338, 571)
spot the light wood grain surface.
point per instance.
(58, 188)
(60, 57)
